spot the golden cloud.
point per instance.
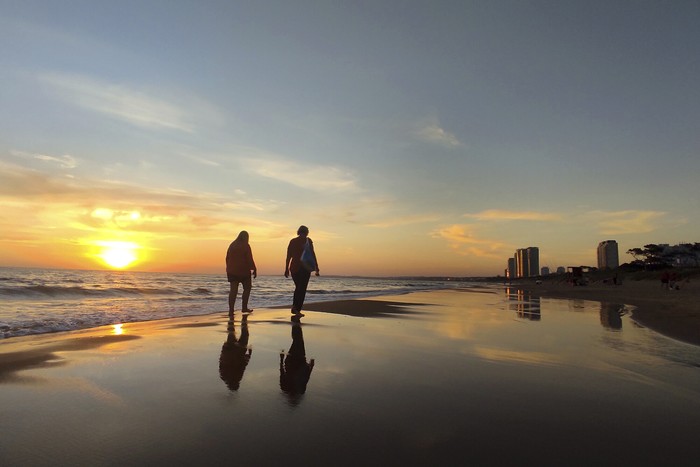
(627, 222)
(503, 215)
(464, 239)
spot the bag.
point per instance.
(307, 257)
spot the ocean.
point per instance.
(38, 301)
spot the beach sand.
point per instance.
(674, 313)
(442, 377)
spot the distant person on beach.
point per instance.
(665, 277)
(295, 371)
(301, 260)
(239, 264)
(235, 355)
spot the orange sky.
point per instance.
(412, 139)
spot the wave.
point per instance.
(52, 291)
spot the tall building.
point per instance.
(522, 267)
(533, 258)
(607, 255)
(511, 268)
(527, 262)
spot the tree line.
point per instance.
(659, 256)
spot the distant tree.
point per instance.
(637, 253)
(656, 256)
(687, 254)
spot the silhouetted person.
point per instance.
(235, 355)
(300, 263)
(239, 264)
(294, 369)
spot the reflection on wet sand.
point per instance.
(235, 355)
(611, 316)
(295, 371)
(526, 306)
(45, 356)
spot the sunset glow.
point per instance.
(118, 255)
(413, 140)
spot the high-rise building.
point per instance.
(522, 266)
(544, 271)
(511, 268)
(533, 258)
(607, 255)
(527, 262)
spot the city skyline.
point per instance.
(412, 138)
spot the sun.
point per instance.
(118, 255)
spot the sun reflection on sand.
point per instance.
(516, 356)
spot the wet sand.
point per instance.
(441, 377)
(673, 313)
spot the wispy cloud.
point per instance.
(627, 222)
(322, 178)
(503, 215)
(65, 161)
(118, 101)
(432, 132)
(96, 205)
(464, 240)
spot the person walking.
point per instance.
(301, 260)
(239, 264)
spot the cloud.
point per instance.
(66, 161)
(39, 199)
(627, 222)
(313, 177)
(502, 215)
(119, 102)
(433, 133)
(464, 240)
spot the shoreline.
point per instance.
(673, 313)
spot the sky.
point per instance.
(419, 138)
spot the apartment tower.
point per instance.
(607, 255)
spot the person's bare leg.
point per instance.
(232, 297)
(244, 298)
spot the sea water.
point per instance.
(37, 301)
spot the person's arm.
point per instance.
(252, 262)
(286, 262)
(313, 251)
(228, 255)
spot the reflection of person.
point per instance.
(235, 355)
(295, 371)
(239, 263)
(611, 315)
(300, 272)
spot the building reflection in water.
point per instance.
(295, 371)
(524, 304)
(235, 355)
(611, 316)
